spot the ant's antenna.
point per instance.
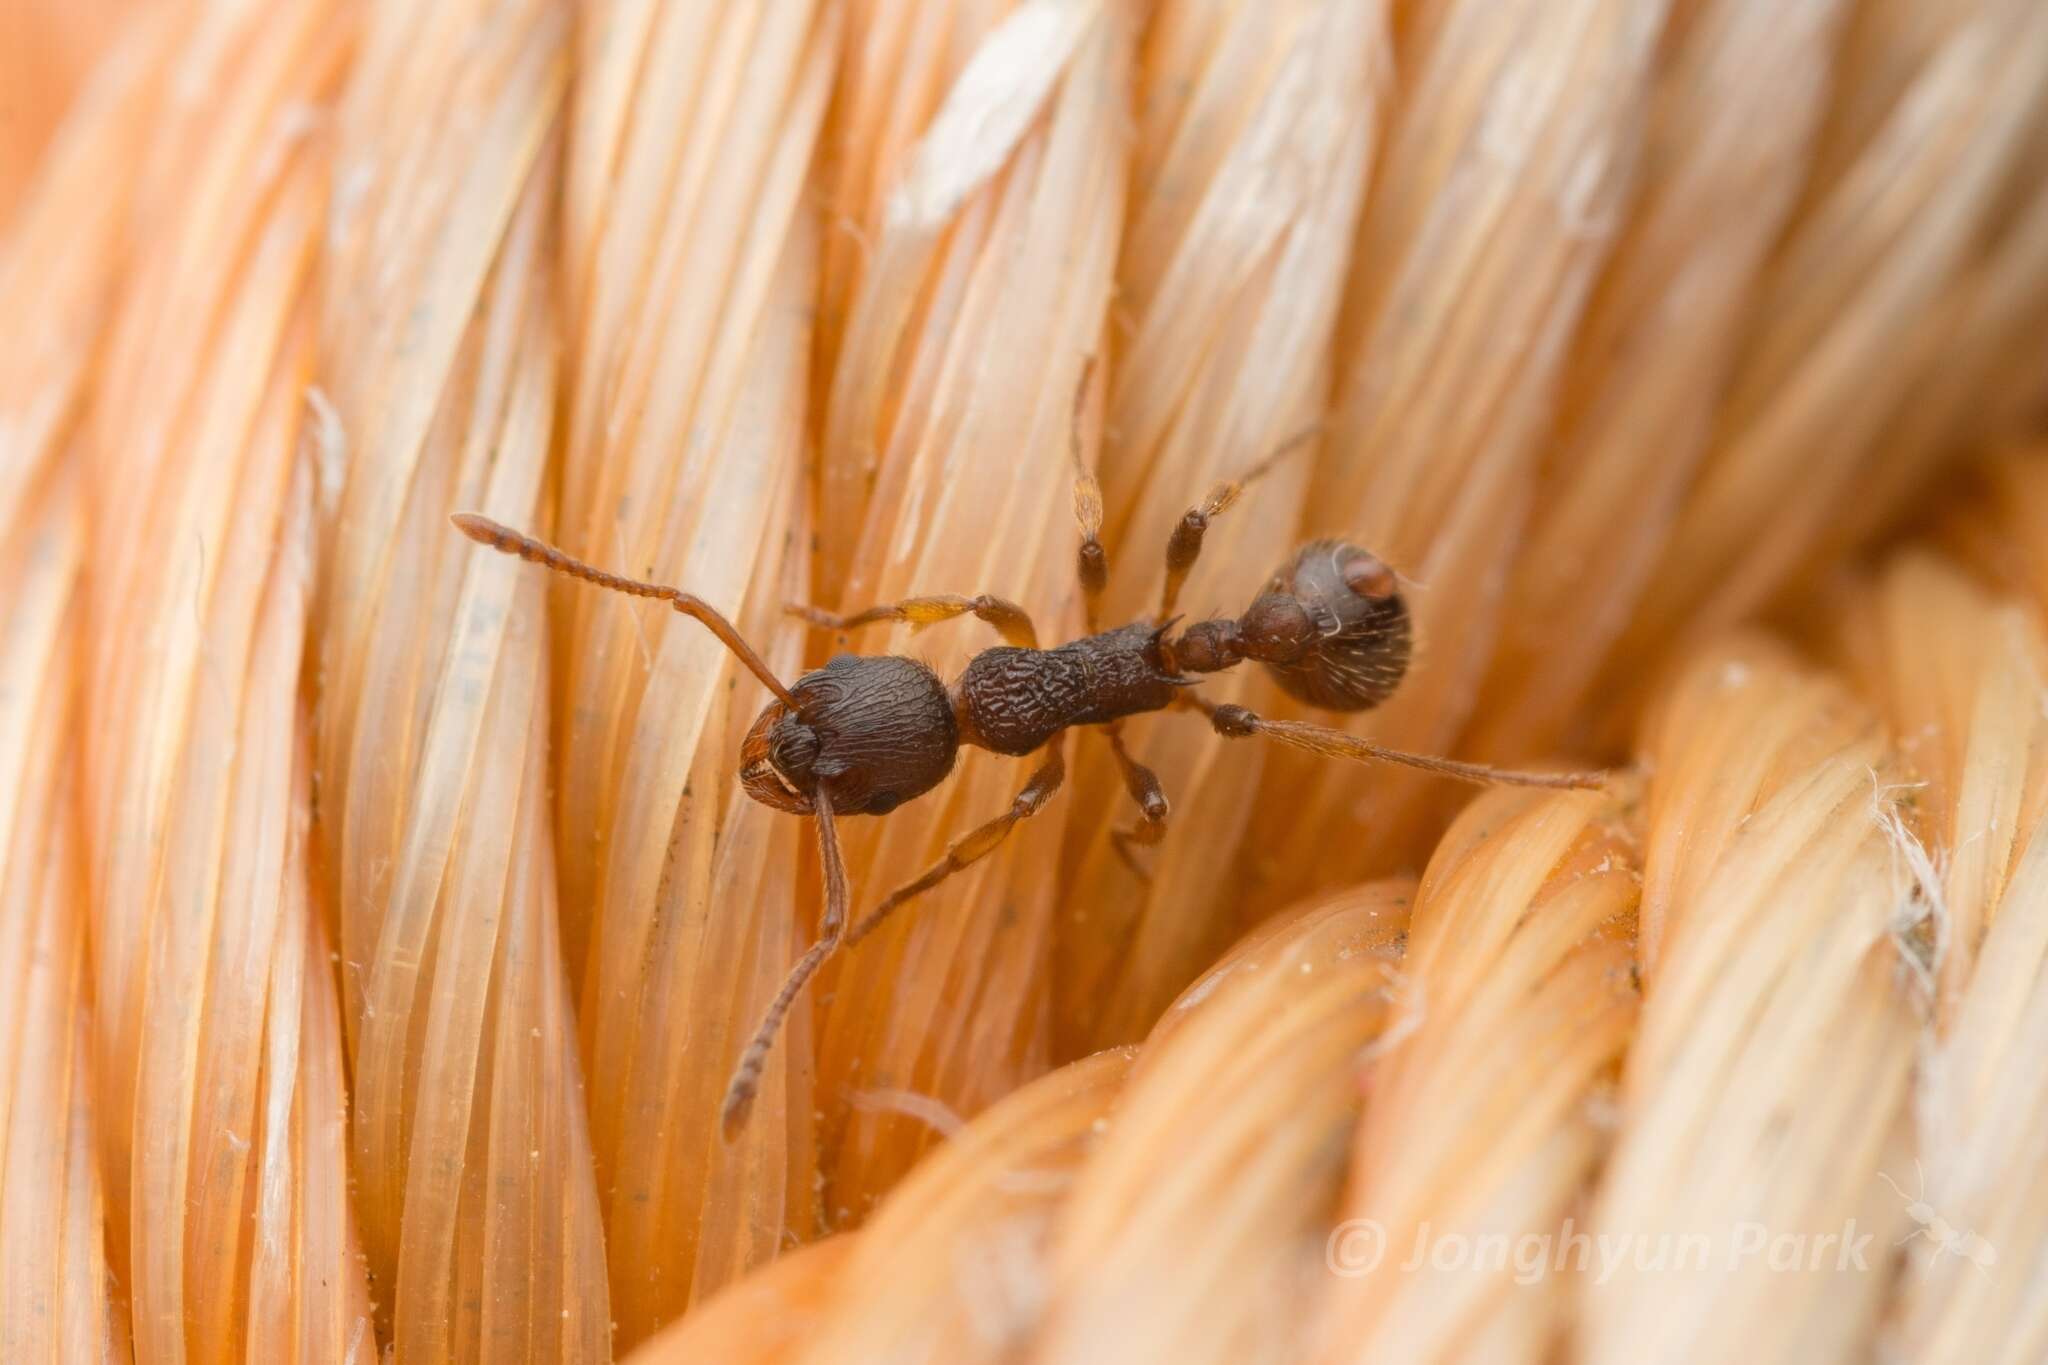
(504, 539)
(746, 1077)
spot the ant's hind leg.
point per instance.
(1184, 544)
(1011, 621)
(1153, 808)
(1238, 722)
(1091, 563)
(979, 842)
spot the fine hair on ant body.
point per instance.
(866, 733)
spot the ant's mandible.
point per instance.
(866, 733)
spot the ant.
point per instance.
(866, 733)
(1948, 1239)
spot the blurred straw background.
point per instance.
(380, 920)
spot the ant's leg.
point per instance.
(1091, 564)
(1009, 619)
(746, 1077)
(484, 531)
(1184, 545)
(979, 842)
(1153, 808)
(1235, 722)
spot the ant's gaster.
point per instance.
(866, 733)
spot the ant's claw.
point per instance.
(733, 1120)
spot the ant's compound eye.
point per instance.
(775, 737)
(793, 749)
(1361, 634)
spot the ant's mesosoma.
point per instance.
(866, 733)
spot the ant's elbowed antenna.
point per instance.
(863, 734)
(831, 928)
(484, 531)
(746, 1077)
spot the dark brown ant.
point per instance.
(866, 733)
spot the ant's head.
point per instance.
(1331, 627)
(871, 731)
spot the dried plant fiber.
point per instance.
(381, 919)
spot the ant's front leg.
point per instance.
(1153, 808)
(1011, 621)
(978, 842)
